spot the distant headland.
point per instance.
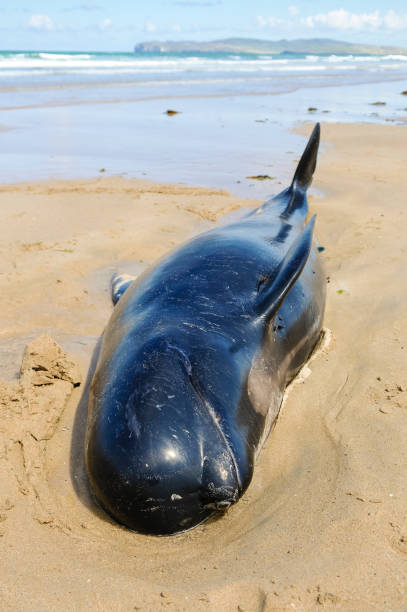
(319, 46)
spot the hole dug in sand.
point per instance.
(30, 410)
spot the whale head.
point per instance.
(156, 455)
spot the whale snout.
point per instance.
(169, 489)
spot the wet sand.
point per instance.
(323, 524)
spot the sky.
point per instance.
(103, 25)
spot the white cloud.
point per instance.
(392, 21)
(268, 21)
(150, 27)
(293, 10)
(40, 22)
(105, 24)
(344, 20)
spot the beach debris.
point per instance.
(320, 249)
(373, 500)
(261, 120)
(326, 598)
(170, 112)
(261, 177)
(404, 93)
(102, 170)
(340, 291)
(36, 246)
(378, 104)
(312, 109)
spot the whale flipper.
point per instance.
(273, 292)
(119, 284)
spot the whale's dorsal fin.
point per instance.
(119, 284)
(308, 162)
(273, 291)
(296, 193)
(291, 203)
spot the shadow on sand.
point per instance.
(78, 473)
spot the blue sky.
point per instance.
(116, 26)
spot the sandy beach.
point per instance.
(324, 523)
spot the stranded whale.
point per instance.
(194, 363)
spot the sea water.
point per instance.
(72, 115)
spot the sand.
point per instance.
(324, 523)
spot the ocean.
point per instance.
(70, 115)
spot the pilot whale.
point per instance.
(194, 362)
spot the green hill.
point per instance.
(276, 47)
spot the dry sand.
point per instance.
(324, 522)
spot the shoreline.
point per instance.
(328, 83)
(323, 522)
(221, 135)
